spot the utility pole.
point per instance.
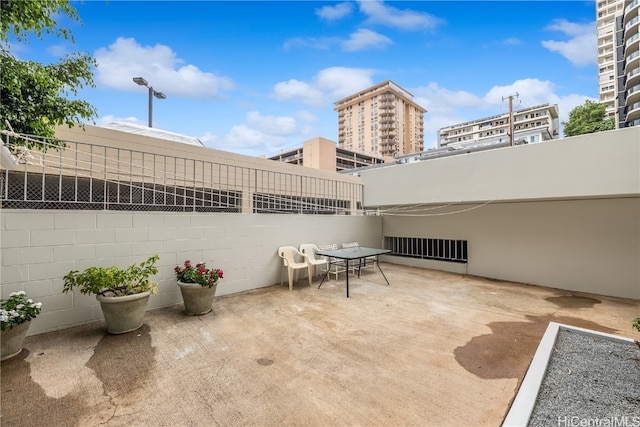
(510, 98)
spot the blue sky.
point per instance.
(256, 77)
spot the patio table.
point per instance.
(348, 254)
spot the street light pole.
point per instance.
(142, 82)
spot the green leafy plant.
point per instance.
(636, 323)
(17, 309)
(113, 281)
(198, 273)
(37, 97)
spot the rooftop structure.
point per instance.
(321, 153)
(153, 132)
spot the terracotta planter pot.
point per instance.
(124, 314)
(197, 299)
(12, 340)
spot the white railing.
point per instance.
(90, 176)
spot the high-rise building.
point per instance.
(533, 124)
(607, 11)
(630, 115)
(382, 120)
(617, 26)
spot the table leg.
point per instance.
(347, 273)
(325, 275)
(378, 264)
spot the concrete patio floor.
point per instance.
(431, 349)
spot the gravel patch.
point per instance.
(590, 381)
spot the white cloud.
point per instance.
(272, 125)
(530, 91)
(533, 92)
(306, 116)
(159, 65)
(510, 41)
(440, 100)
(110, 118)
(260, 134)
(322, 43)
(363, 39)
(359, 40)
(298, 91)
(328, 86)
(581, 48)
(332, 13)
(405, 19)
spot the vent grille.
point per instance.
(425, 248)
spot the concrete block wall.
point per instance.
(39, 247)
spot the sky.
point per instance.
(259, 77)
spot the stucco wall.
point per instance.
(564, 214)
(579, 245)
(604, 164)
(39, 247)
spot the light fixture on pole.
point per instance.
(152, 93)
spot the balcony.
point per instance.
(633, 4)
(633, 94)
(633, 77)
(632, 23)
(632, 61)
(633, 112)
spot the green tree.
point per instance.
(588, 118)
(23, 17)
(35, 97)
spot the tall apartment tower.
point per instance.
(630, 115)
(382, 120)
(618, 33)
(607, 11)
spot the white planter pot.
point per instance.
(124, 314)
(197, 299)
(12, 340)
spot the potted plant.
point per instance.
(198, 286)
(123, 293)
(15, 317)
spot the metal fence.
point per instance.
(90, 176)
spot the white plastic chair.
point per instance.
(336, 266)
(369, 261)
(288, 255)
(309, 249)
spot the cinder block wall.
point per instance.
(39, 247)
